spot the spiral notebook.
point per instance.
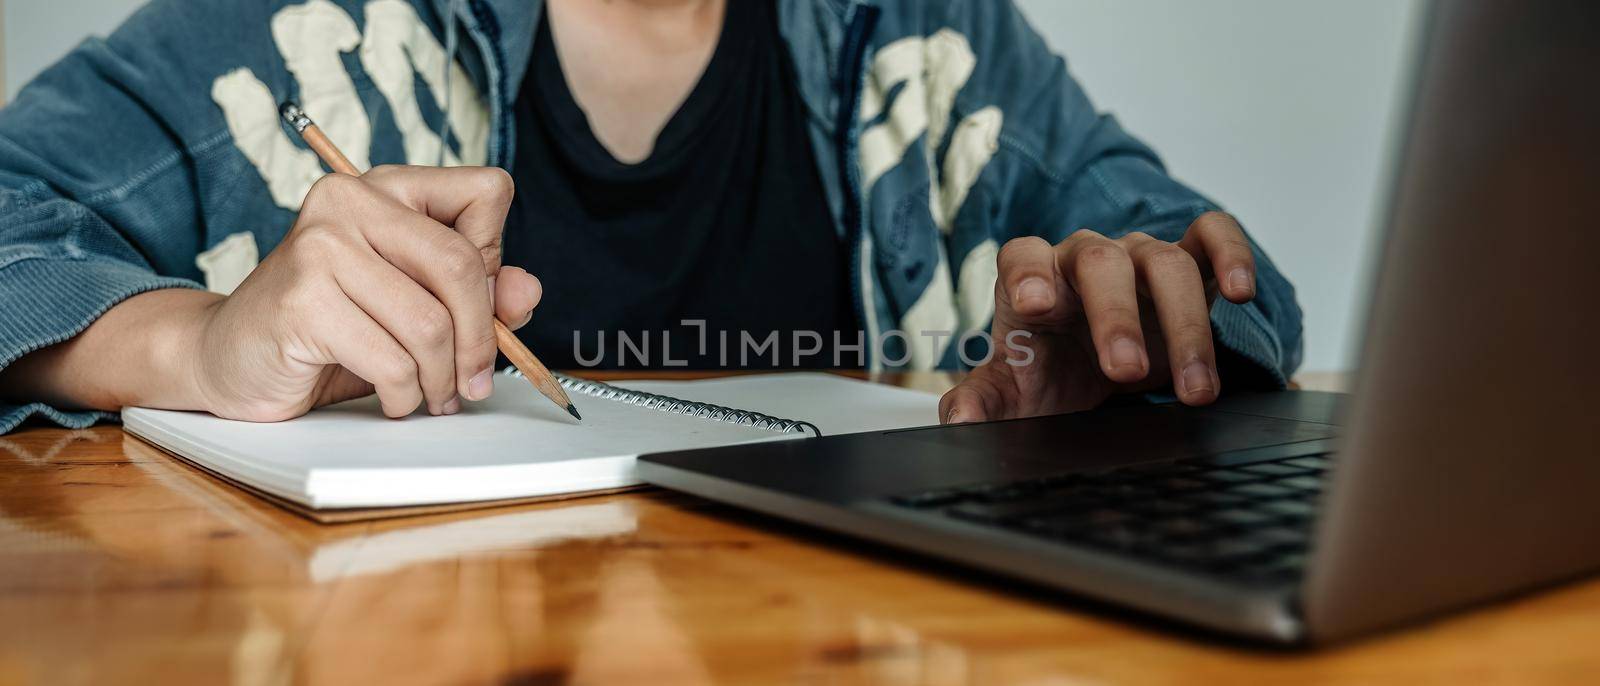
(348, 458)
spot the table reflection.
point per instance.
(638, 588)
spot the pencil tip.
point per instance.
(574, 412)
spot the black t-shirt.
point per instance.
(726, 221)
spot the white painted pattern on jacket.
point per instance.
(398, 44)
(930, 72)
(311, 36)
(252, 117)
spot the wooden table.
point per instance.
(121, 565)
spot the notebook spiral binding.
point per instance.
(665, 403)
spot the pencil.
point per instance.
(534, 370)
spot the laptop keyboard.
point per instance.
(1229, 516)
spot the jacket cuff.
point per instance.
(47, 301)
(12, 416)
(1243, 330)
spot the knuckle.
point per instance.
(495, 184)
(1084, 235)
(1168, 257)
(1192, 331)
(332, 188)
(399, 371)
(303, 297)
(483, 339)
(434, 326)
(480, 347)
(389, 180)
(1214, 220)
(384, 171)
(456, 258)
(320, 240)
(1018, 247)
(462, 262)
(1101, 251)
(489, 253)
(1239, 246)
(1120, 317)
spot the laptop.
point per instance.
(1465, 466)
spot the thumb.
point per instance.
(516, 293)
(472, 200)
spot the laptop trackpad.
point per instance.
(1110, 437)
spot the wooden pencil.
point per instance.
(519, 354)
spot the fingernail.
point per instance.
(481, 385)
(1126, 353)
(491, 292)
(1033, 289)
(1197, 379)
(1239, 280)
(451, 406)
(954, 416)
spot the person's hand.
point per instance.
(1091, 317)
(384, 283)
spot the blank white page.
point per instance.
(835, 404)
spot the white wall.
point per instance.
(1282, 110)
(39, 32)
(4, 91)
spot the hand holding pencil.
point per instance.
(382, 285)
(531, 367)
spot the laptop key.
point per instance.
(1161, 507)
(1234, 550)
(992, 513)
(1056, 526)
(1230, 476)
(1183, 527)
(1111, 476)
(1316, 462)
(1273, 469)
(1287, 567)
(1293, 509)
(1124, 538)
(1075, 523)
(1128, 491)
(1215, 499)
(1263, 490)
(1241, 458)
(1155, 473)
(1157, 469)
(1186, 553)
(1238, 517)
(1312, 484)
(1280, 537)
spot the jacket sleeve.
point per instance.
(99, 195)
(1079, 169)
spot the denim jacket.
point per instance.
(155, 158)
